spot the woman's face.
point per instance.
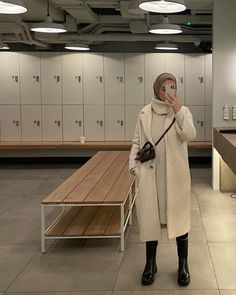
(162, 93)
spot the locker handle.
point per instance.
(80, 123)
(37, 78)
(79, 79)
(200, 79)
(140, 78)
(181, 80)
(101, 123)
(121, 122)
(16, 122)
(121, 79)
(57, 78)
(202, 123)
(100, 79)
(58, 123)
(37, 122)
(16, 78)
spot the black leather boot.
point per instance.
(183, 271)
(151, 266)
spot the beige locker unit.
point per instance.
(134, 79)
(208, 120)
(51, 123)
(114, 123)
(51, 78)
(73, 122)
(131, 116)
(199, 122)
(10, 122)
(208, 79)
(154, 66)
(30, 78)
(31, 122)
(72, 78)
(93, 78)
(94, 122)
(114, 67)
(175, 66)
(194, 79)
(9, 78)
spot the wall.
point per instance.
(224, 61)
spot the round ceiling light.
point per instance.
(166, 46)
(165, 29)
(4, 46)
(48, 26)
(162, 6)
(12, 7)
(77, 46)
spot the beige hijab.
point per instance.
(160, 80)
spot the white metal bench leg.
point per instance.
(42, 229)
(130, 205)
(122, 236)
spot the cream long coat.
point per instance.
(178, 185)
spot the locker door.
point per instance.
(114, 123)
(134, 79)
(31, 123)
(175, 66)
(94, 122)
(208, 119)
(51, 123)
(93, 78)
(72, 122)
(194, 79)
(9, 78)
(51, 78)
(10, 123)
(131, 116)
(154, 66)
(114, 78)
(72, 78)
(208, 79)
(199, 122)
(30, 78)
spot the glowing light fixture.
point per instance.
(77, 46)
(162, 6)
(165, 28)
(12, 7)
(4, 46)
(166, 46)
(48, 26)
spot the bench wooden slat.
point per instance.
(81, 221)
(119, 190)
(79, 194)
(66, 187)
(113, 228)
(100, 221)
(60, 226)
(103, 187)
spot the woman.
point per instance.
(164, 186)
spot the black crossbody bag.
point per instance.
(147, 152)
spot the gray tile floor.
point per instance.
(93, 267)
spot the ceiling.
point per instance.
(106, 26)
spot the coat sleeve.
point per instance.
(135, 147)
(184, 124)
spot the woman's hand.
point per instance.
(173, 101)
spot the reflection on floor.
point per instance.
(93, 267)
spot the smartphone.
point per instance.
(170, 89)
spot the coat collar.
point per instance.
(146, 118)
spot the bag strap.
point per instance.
(165, 132)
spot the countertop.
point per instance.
(225, 144)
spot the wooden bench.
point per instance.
(93, 145)
(96, 201)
